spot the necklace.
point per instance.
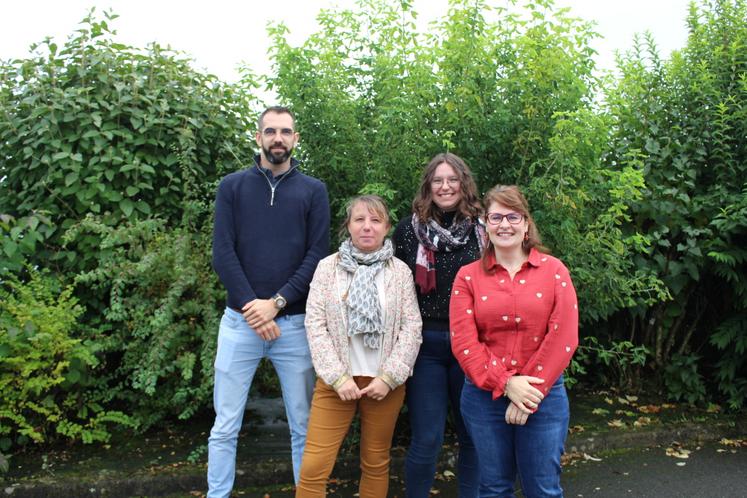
(514, 268)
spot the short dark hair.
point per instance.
(469, 207)
(277, 109)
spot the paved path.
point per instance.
(712, 470)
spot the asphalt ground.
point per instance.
(715, 469)
(617, 446)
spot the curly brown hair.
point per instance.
(469, 206)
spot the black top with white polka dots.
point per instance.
(434, 307)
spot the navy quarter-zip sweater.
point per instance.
(268, 239)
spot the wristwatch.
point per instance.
(279, 301)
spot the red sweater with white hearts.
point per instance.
(502, 327)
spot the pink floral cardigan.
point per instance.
(327, 334)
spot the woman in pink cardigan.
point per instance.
(364, 329)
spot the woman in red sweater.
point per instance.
(514, 326)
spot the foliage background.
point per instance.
(110, 154)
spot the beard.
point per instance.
(277, 157)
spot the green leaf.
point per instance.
(143, 207)
(9, 247)
(73, 376)
(71, 178)
(126, 206)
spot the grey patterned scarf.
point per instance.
(362, 297)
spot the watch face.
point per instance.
(280, 302)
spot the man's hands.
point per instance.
(258, 312)
(260, 316)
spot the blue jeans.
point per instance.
(436, 383)
(533, 450)
(240, 350)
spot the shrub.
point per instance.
(95, 126)
(163, 306)
(686, 120)
(45, 372)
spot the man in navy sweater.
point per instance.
(271, 230)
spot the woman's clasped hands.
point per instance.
(377, 390)
(525, 398)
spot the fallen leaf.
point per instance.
(678, 453)
(681, 464)
(600, 411)
(571, 458)
(642, 422)
(449, 474)
(632, 399)
(617, 423)
(649, 409)
(668, 405)
(593, 459)
(713, 408)
(623, 401)
(576, 429)
(608, 401)
(733, 442)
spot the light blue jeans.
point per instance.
(240, 350)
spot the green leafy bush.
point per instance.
(376, 99)
(616, 364)
(95, 126)
(20, 239)
(163, 307)
(686, 120)
(45, 372)
(99, 140)
(683, 380)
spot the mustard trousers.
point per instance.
(330, 421)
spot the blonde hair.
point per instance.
(374, 203)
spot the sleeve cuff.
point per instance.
(388, 380)
(340, 381)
